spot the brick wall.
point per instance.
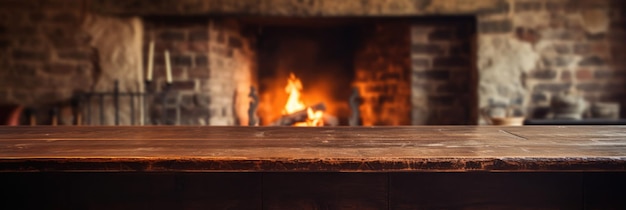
(382, 74)
(44, 56)
(212, 70)
(443, 83)
(551, 47)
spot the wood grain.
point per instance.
(347, 149)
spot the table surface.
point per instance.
(298, 149)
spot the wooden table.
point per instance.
(279, 167)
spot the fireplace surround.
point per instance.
(444, 60)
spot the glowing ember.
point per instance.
(295, 104)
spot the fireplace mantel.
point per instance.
(316, 8)
(325, 149)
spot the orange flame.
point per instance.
(295, 104)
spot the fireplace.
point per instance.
(412, 62)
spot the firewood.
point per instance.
(299, 116)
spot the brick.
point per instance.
(390, 76)
(181, 60)
(201, 60)
(441, 35)
(493, 27)
(420, 62)
(559, 61)
(433, 75)
(199, 46)
(199, 35)
(65, 17)
(235, 42)
(539, 97)
(60, 68)
(30, 55)
(544, 74)
(562, 49)
(183, 85)
(428, 49)
(172, 36)
(551, 87)
(528, 6)
(582, 48)
(456, 61)
(461, 49)
(75, 55)
(603, 74)
(566, 75)
(452, 88)
(199, 73)
(592, 61)
(442, 100)
(589, 87)
(500, 7)
(596, 37)
(23, 70)
(527, 34)
(584, 74)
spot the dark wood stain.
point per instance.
(283, 149)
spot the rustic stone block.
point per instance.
(544, 74)
(33, 55)
(172, 35)
(60, 68)
(201, 60)
(495, 26)
(235, 42)
(199, 35)
(592, 61)
(551, 87)
(428, 49)
(457, 61)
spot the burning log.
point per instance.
(299, 116)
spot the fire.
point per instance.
(295, 104)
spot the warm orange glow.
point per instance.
(295, 104)
(293, 88)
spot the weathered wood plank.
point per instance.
(434, 148)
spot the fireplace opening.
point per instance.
(407, 70)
